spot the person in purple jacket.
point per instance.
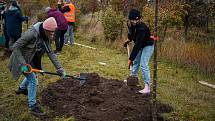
(61, 27)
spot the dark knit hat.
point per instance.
(134, 15)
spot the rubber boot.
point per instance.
(146, 89)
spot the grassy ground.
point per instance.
(177, 86)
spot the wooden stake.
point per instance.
(154, 92)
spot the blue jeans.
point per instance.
(69, 36)
(142, 60)
(30, 82)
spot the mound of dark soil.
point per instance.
(99, 99)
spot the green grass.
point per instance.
(190, 100)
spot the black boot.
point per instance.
(21, 91)
(36, 110)
(57, 52)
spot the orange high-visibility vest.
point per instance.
(70, 16)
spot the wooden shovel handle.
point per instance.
(128, 50)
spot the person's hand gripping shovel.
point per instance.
(82, 76)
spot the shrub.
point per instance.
(42, 16)
(112, 22)
(170, 17)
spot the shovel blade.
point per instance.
(83, 78)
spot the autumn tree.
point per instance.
(199, 14)
(170, 15)
(31, 7)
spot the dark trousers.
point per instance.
(12, 40)
(6, 37)
(59, 39)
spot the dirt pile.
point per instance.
(99, 99)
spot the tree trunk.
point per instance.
(154, 91)
(121, 30)
(186, 22)
(164, 32)
(207, 24)
(214, 43)
(162, 37)
(186, 26)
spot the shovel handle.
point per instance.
(128, 50)
(51, 73)
(45, 72)
(73, 77)
(30, 69)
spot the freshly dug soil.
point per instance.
(132, 81)
(99, 99)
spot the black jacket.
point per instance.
(140, 34)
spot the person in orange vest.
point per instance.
(69, 13)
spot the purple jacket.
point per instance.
(59, 17)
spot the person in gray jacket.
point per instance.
(28, 49)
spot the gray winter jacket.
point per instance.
(25, 48)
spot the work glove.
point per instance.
(61, 72)
(130, 64)
(24, 69)
(126, 43)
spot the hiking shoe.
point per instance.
(67, 44)
(57, 52)
(22, 91)
(36, 110)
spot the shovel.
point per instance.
(128, 50)
(130, 68)
(82, 76)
